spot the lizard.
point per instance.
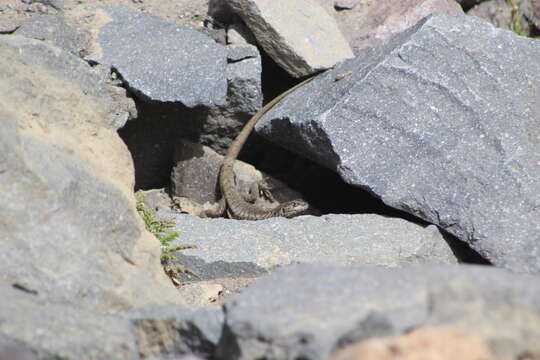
(232, 200)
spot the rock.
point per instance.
(190, 68)
(58, 30)
(55, 4)
(13, 350)
(244, 98)
(531, 9)
(66, 33)
(305, 311)
(153, 146)
(172, 331)
(497, 12)
(69, 229)
(221, 11)
(30, 327)
(327, 5)
(156, 199)
(196, 170)
(372, 23)
(345, 4)
(34, 326)
(229, 248)
(468, 3)
(239, 34)
(200, 294)
(285, 40)
(430, 135)
(8, 26)
(495, 309)
(425, 343)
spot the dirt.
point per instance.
(190, 13)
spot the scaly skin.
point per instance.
(237, 207)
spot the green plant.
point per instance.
(518, 23)
(161, 228)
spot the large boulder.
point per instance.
(442, 122)
(310, 43)
(309, 311)
(69, 228)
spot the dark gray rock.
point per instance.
(162, 61)
(244, 98)
(306, 311)
(442, 122)
(57, 30)
(38, 329)
(221, 11)
(231, 248)
(468, 3)
(182, 330)
(244, 78)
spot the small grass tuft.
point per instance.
(161, 228)
(519, 23)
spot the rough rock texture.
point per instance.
(58, 30)
(442, 122)
(174, 331)
(35, 328)
(310, 43)
(69, 227)
(229, 248)
(160, 127)
(60, 331)
(372, 23)
(307, 311)
(244, 98)
(430, 343)
(159, 60)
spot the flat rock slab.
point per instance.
(298, 35)
(442, 121)
(307, 311)
(162, 61)
(232, 248)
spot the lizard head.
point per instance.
(293, 208)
